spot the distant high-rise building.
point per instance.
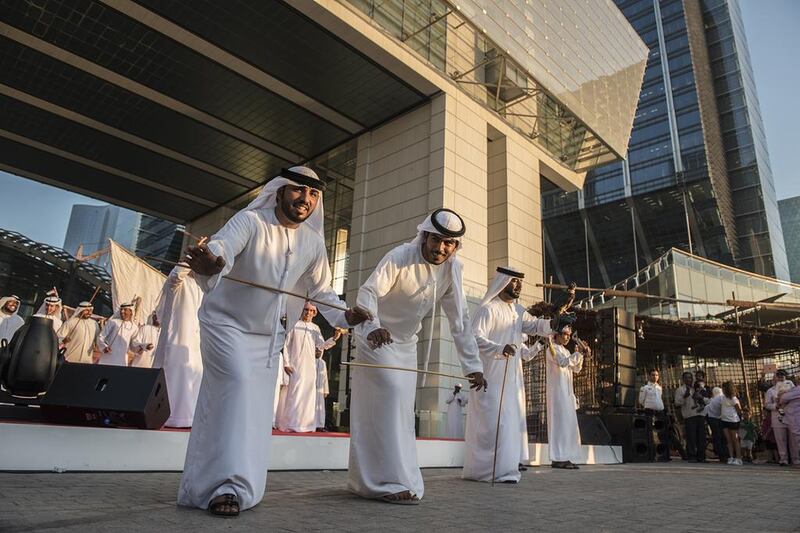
(91, 226)
(159, 238)
(790, 221)
(697, 158)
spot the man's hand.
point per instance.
(289, 370)
(337, 334)
(379, 337)
(477, 381)
(356, 315)
(149, 346)
(509, 350)
(106, 350)
(317, 352)
(65, 341)
(202, 261)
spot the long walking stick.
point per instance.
(499, 413)
(256, 285)
(405, 369)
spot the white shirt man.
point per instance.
(784, 438)
(276, 241)
(80, 335)
(51, 308)
(322, 391)
(563, 435)
(499, 325)
(115, 340)
(455, 413)
(178, 348)
(404, 287)
(650, 395)
(10, 321)
(303, 342)
(143, 344)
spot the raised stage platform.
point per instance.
(51, 448)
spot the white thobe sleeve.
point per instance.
(573, 361)
(379, 283)
(487, 347)
(450, 400)
(525, 352)
(535, 326)
(108, 332)
(63, 331)
(228, 242)
(642, 395)
(317, 281)
(679, 399)
(463, 337)
(320, 343)
(138, 341)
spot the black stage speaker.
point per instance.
(617, 358)
(593, 430)
(633, 432)
(108, 396)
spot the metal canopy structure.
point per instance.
(176, 107)
(29, 268)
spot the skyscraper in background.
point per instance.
(697, 159)
(91, 226)
(159, 238)
(790, 222)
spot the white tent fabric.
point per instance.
(133, 278)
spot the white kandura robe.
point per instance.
(299, 410)
(455, 415)
(178, 347)
(563, 434)
(83, 338)
(399, 293)
(147, 334)
(496, 324)
(117, 335)
(240, 340)
(9, 324)
(280, 389)
(322, 391)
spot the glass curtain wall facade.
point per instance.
(674, 187)
(790, 222)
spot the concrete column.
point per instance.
(434, 156)
(514, 212)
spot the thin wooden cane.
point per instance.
(404, 369)
(499, 412)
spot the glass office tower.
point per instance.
(697, 172)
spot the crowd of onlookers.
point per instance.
(735, 436)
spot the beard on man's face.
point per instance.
(297, 210)
(513, 291)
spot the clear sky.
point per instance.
(773, 32)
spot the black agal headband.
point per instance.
(511, 273)
(446, 231)
(302, 179)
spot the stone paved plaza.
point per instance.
(635, 497)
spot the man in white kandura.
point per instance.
(303, 343)
(143, 344)
(455, 413)
(563, 435)
(51, 308)
(499, 324)
(10, 321)
(178, 348)
(115, 340)
(322, 390)
(80, 335)
(276, 241)
(405, 286)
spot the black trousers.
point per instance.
(695, 427)
(718, 438)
